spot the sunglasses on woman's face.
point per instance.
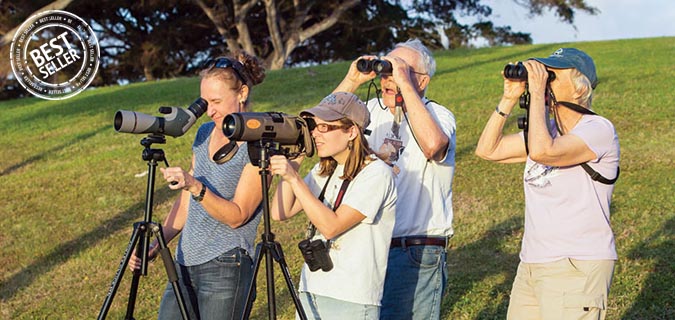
(323, 127)
(224, 63)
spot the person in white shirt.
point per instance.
(416, 136)
(349, 197)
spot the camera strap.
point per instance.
(311, 229)
(405, 114)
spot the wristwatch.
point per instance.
(200, 197)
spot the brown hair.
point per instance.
(252, 71)
(358, 155)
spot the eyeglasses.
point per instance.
(224, 63)
(411, 71)
(324, 127)
(420, 73)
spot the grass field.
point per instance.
(72, 187)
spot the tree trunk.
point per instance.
(281, 49)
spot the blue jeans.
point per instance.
(415, 283)
(319, 307)
(217, 288)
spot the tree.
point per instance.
(289, 24)
(12, 15)
(154, 39)
(151, 39)
(285, 32)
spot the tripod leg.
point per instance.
(171, 273)
(251, 289)
(279, 257)
(269, 266)
(141, 253)
(120, 272)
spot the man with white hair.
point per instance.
(416, 136)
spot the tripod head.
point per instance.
(153, 155)
(260, 151)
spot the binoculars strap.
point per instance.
(596, 176)
(311, 229)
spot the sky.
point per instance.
(617, 19)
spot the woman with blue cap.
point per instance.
(571, 163)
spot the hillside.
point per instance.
(72, 187)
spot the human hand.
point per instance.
(179, 179)
(283, 167)
(400, 71)
(357, 77)
(513, 88)
(135, 261)
(537, 76)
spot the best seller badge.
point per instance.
(54, 55)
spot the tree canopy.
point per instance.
(154, 39)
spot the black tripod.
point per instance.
(141, 239)
(269, 247)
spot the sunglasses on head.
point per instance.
(224, 63)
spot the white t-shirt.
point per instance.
(566, 212)
(359, 254)
(424, 187)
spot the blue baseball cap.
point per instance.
(571, 58)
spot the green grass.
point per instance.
(70, 191)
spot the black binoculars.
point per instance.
(316, 255)
(380, 66)
(519, 72)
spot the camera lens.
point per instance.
(364, 66)
(382, 67)
(515, 71)
(198, 107)
(232, 127)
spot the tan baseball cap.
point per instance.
(340, 105)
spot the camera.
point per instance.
(316, 255)
(288, 135)
(175, 124)
(380, 66)
(519, 72)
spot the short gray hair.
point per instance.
(583, 88)
(428, 61)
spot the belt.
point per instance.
(418, 241)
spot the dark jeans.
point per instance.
(217, 288)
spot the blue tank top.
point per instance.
(204, 238)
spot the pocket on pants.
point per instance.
(583, 302)
(425, 256)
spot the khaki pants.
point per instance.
(561, 290)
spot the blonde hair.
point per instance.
(582, 88)
(358, 155)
